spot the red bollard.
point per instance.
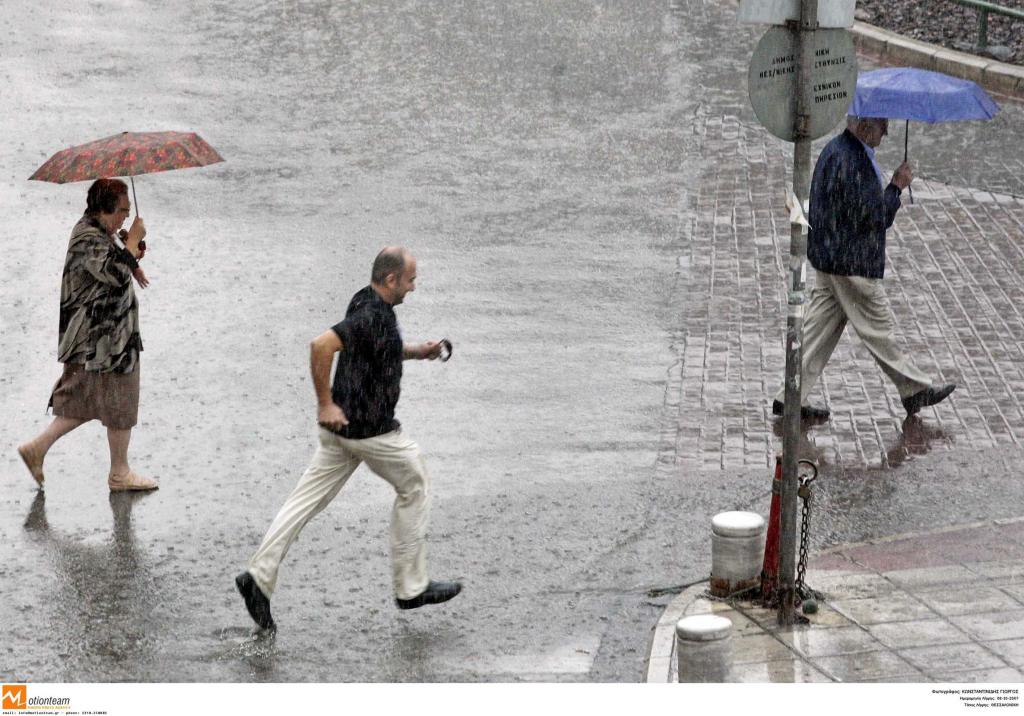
(770, 569)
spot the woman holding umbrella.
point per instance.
(99, 341)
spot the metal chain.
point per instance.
(805, 529)
(804, 492)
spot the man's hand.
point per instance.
(431, 350)
(331, 416)
(903, 176)
(428, 350)
(140, 276)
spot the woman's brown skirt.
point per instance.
(111, 398)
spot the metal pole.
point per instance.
(982, 30)
(906, 143)
(795, 318)
(135, 202)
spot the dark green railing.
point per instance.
(984, 8)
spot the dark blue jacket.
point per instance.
(849, 212)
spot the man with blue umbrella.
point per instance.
(851, 207)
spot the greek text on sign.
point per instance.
(831, 13)
(773, 73)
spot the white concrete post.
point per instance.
(703, 649)
(737, 551)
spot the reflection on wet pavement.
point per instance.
(105, 595)
(917, 438)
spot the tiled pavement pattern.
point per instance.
(956, 289)
(953, 278)
(913, 609)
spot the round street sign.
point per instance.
(772, 80)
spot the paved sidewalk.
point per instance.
(931, 606)
(942, 606)
(956, 292)
(952, 276)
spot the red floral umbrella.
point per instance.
(128, 154)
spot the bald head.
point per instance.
(391, 259)
(394, 274)
(869, 130)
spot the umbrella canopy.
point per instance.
(919, 95)
(127, 155)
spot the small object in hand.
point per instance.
(810, 607)
(446, 349)
(123, 233)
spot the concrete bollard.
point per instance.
(703, 649)
(737, 552)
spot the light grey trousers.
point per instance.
(862, 302)
(393, 457)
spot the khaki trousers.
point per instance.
(393, 457)
(862, 302)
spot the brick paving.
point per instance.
(953, 278)
(940, 605)
(954, 283)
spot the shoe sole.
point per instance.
(132, 483)
(421, 601)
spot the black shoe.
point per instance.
(807, 412)
(435, 593)
(255, 601)
(928, 396)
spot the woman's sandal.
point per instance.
(131, 481)
(33, 462)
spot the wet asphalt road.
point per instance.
(538, 160)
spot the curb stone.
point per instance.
(1000, 77)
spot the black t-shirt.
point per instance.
(369, 373)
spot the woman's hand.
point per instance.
(136, 233)
(140, 276)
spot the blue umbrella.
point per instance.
(924, 96)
